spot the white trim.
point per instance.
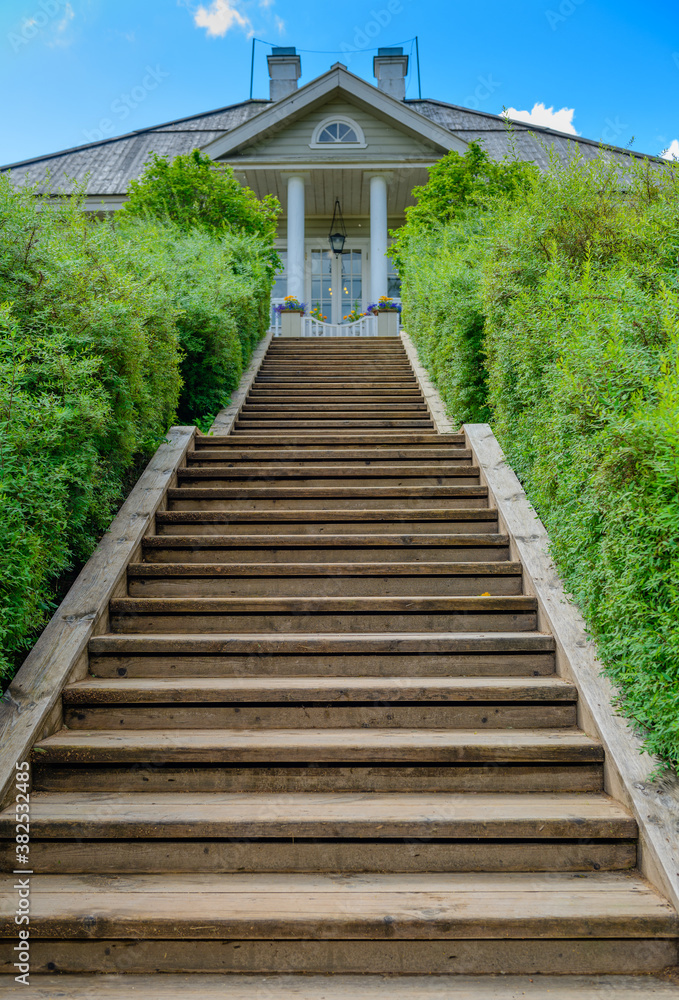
(343, 120)
(334, 83)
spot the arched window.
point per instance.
(338, 132)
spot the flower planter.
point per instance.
(291, 322)
(388, 322)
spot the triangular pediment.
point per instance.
(286, 128)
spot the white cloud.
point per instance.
(672, 151)
(280, 24)
(60, 38)
(561, 120)
(220, 17)
(265, 4)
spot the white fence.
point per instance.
(364, 327)
(311, 327)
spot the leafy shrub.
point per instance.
(576, 286)
(196, 193)
(106, 327)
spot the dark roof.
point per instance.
(112, 163)
(108, 166)
(523, 140)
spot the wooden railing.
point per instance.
(364, 327)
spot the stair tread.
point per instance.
(302, 605)
(343, 987)
(430, 539)
(331, 907)
(390, 642)
(338, 569)
(372, 814)
(333, 745)
(328, 515)
(292, 689)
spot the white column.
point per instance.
(378, 236)
(296, 235)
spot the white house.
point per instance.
(337, 148)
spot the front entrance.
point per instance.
(336, 283)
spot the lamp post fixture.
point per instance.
(338, 231)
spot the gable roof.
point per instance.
(338, 81)
(106, 167)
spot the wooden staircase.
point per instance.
(324, 734)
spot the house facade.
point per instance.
(341, 154)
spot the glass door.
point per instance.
(336, 284)
(322, 284)
(351, 281)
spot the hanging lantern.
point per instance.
(338, 231)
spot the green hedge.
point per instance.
(563, 330)
(106, 331)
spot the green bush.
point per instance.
(575, 285)
(106, 329)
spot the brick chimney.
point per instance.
(390, 67)
(285, 69)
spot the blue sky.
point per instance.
(74, 70)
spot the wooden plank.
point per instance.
(406, 437)
(654, 804)
(322, 605)
(323, 492)
(148, 856)
(430, 958)
(37, 686)
(281, 516)
(315, 715)
(389, 644)
(294, 987)
(342, 745)
(312, 689)
(421, 907)
(429, 540)
(342, 816)
(363, 455)
(495, 777)
(279, 570)
(344, 471)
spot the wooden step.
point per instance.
(501, 655)
(391, 439)
(310, 746)
(358, 475)
(195, 855)
(353, 496)
(279, 690)
(373, 816)
(360, 456)
(502, 906)
(351, 423)
(317, 715)
(323, 614)
(467, 547)
(323, 580)
(346, 987)
(206, 777)
(326, 522)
